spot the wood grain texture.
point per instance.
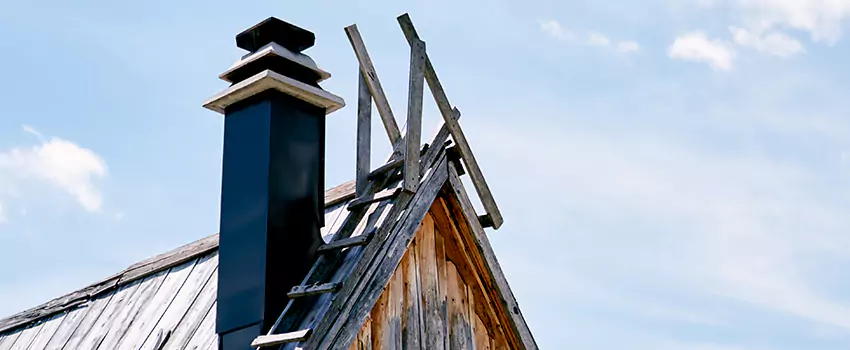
(47, 332)
(9, 339)
(100, 328)
(303, 291)
(384, 195)
(482, 338)
(346, 242)
(128, 313)
(191, 320)
(69, 324)
(368, 70)
(380, 320)
(432, 303)
(454, 128)
(364, 338)
(460, 330)
(364, 135)
(464, 216)
(413, 137)
(26, 337)
(395, 312)
(411, 320)
(79, 333)
(150, 314)
(206, 331)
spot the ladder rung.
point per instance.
(346, 242)
(390, 166)
(275, 339)
(303, 291)
(372, 198)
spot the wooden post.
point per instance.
(414, 116)
(454, 128)
(374, 84)
(364, 135)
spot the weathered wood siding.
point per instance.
(435, 298)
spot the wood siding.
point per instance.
(435, 298)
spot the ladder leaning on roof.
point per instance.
(406, 163)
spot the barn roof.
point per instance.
(168, 301)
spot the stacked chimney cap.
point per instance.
(275, 30)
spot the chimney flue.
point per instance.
(272, 191)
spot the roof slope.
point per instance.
(168, 301)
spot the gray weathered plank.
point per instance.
(127, 314)
(432, 305)
(194, 316)
(96, 307)
(411, 321)
(346, 242)
(366, 281)
(466, 214)
(277, 339)
(9, 339)
(206, 331)
(180, 304)
(26, 337)
(47, 332)
(151, 313)
(460, 328)
(100, 329)
(340, 193)
(457, 133)
(391, 165)
(332, 217)
(395, 309)
(374, 83)
(69, 324)
(364, 135)
(413, 138)
(303, 291)
(372, 198)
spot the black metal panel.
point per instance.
(272, 206)
(274, 30)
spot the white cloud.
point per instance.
(32, 130)
(62, 164)
(822, 19)
(597, 39)
(774, 43)
(628, 46)
(697, 47)
(3, 218)
(554, 29)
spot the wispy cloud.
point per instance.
(60, 163)
(773, 43)
(597, 39)
(698, 48)
(628, 46)
(555, 30)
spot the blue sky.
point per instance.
(673, 173)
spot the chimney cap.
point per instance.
(275, 30)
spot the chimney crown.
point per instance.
(272, 29)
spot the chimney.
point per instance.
(272, 181)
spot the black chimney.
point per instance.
(272, 182)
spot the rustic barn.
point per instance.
(396, 259)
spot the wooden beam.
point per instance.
(303, 291)
(414, 116)
(393, 164)
(276, 339)
(454, 128)
(373, 83)
(372, 198)
(364, 135)
(346, 242)
(465, 214)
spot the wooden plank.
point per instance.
(87, 323)
(393, 164)
(47, 332)
(395, 310)
(442, 281)
(414, 116)
(459, 252)
(303, 291)
(346, 242)
(119, 326)
(380, 320)
(364, 338)
(201, 338)
(100, 329)
(194, 316)
(457, 134)
(72, 320)
(464, 214)
(460, 331)
(365, 283)
(26, 337)
(411, 321)
(364, 135)
(332, 215)
(277, 339)
(178, 307)
(384, 195)
(368, 70)
(150, 314)
(482, 338)
(341, 193)
(432, 305)
(9, 339)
